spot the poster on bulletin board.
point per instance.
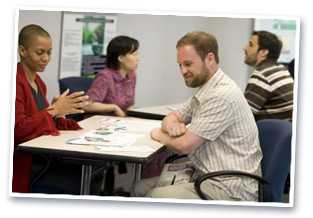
(285, 30)
(84, 41)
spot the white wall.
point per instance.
(50, 21)
(159, 80)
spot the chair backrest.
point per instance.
(291, 67)
(275, 139)
(75, 84)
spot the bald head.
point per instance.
(34, 48)
(29, 32)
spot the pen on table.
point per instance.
(173, 180)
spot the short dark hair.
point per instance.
(203, 43)
(271, 42)
(29, 31)
(120, 45)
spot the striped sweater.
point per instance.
(270, 92)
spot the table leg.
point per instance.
(85, 179)
(138, 169)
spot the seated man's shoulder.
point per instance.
(272, 71)
(216, 98)
(227, 92)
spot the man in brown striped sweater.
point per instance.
(270, 87)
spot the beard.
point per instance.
(250, 60)
(197, 81)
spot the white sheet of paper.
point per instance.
(106, 139)
(135, 126)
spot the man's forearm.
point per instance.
(162, 137)
(171, 118)
(180, 145)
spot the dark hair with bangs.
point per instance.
(120, 45)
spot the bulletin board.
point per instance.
(83, 43)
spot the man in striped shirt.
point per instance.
(222, 134)
(270, 87)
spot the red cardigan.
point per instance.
(31, 123)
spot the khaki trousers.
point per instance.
(147, 188)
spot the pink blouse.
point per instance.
(111, 88)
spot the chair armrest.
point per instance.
(204, 177)
(174, 157)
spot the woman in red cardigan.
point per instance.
(33, 114)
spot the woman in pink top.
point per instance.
(113, 89)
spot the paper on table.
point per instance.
(106, 139)
(131, 148)
(136, 126)
(114, 124)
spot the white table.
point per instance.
(154, 112)
(139, 152)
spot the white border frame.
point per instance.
(164, 12)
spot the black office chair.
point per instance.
(275, 139)
(291, 67)
(75, 84)
(51, 176)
